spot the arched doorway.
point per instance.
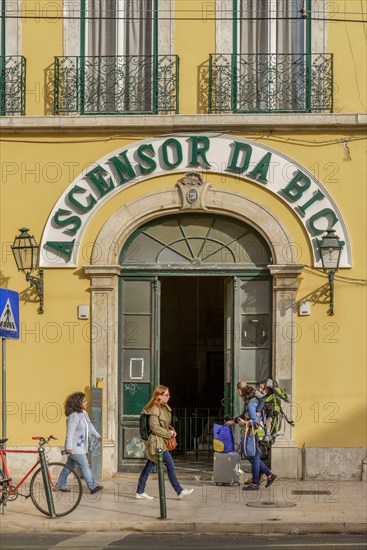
(105, 272)
(195, 315)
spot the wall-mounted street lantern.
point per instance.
(26, 252)
(330, 251)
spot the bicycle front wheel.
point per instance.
(64, 502)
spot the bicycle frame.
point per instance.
(11, 487)
(12, 490)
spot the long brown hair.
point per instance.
(73, 403)
(158, 390)
(248, 393)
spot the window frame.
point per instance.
(235, 46)
(72, 28)
(11, 28)
(196, 267)
(83, 30)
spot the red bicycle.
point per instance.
(43, 490)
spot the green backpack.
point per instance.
(273, 407)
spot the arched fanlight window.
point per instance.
(196, 241)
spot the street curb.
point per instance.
(168, 526)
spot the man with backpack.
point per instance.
(270, 396)
(266, 406)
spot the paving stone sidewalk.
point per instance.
(288, 506)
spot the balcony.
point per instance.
(116, 85)
(12, 85)
(270, 83)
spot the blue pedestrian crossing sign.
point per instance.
(9, 313)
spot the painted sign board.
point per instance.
(246, 160)
(9, 314)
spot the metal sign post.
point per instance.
(3, 403)
(3, 389)
(9, 328)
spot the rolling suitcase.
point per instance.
(226, 468)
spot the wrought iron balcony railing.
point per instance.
(116, 84)
(268, 83)
(12, 85)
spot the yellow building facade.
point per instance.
(179, 164)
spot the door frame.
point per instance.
(129, 420)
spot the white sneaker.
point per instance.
(185, 493)
(143, 496)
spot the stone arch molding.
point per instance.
(130, 217)
(212, 153)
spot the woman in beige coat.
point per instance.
(160, 418)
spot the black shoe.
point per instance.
(270, 480)
(251, 488)
(96, 489)
(63, 489)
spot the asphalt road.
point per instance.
(159, 541)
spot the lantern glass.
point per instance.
(330, 250)
(25, 250)
(330, 258)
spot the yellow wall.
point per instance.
(53, 356)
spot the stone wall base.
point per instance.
(109, 461)
(318, 463)
(284, 461)
(340, 464)
(334, 463)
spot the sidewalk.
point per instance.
(209, 509)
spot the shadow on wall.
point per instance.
(203, 88)
(4, 281)
(320, 295)
(49, 87)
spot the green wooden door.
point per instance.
(247, 338)
(138, 358)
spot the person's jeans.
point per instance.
(258, 467)
(171, 470)
(81, 461)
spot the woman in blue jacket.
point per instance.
(79, 430)
(258, 466)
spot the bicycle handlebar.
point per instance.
(42, 440)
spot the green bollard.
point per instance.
(46, 482)
(161, 486)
